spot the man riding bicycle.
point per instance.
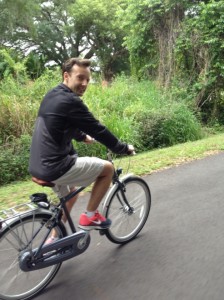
(62, 117)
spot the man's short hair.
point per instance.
(68, 64)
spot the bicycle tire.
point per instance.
(16, 284)
(123, 228)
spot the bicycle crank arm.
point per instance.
(57, 252)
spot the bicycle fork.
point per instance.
(123, 199)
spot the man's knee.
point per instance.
(108, 169)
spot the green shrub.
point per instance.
(168, 126)
(14, 157)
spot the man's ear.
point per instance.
(65, 75)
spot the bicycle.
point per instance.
(29, 265)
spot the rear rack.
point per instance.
(15, 211)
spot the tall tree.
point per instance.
(200, 57)
(58, 30)
(154, 27)
(181, 40)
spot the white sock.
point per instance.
(90, 213)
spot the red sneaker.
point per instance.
(95, 222)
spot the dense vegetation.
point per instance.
(164, 61)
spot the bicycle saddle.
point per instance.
(43, 182)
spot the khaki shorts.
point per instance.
(84, 172)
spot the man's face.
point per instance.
(77, 80)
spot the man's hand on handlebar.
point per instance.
(89, 140)
(131, 150)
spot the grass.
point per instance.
(141, 164)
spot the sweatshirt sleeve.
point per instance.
(79, 135)
(84, 120)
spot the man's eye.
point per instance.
(81, 78)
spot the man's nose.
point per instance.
(85, 82)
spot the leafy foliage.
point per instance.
(200, 57)
(151, 38)
(180, 44)
(19, 102)
(169, 126)
(58, 30)
(11, 64)
(14, 159)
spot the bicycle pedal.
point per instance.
(86, 230)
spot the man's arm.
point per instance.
(79, 135)
(86, 122)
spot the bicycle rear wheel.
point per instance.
(127, 222)
(16, 237)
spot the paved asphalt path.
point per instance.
(178, 255)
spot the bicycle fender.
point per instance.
(6, 224)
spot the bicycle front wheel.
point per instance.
(26, 233)
(128, 210)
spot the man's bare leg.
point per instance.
(100, 187)
(69, 206)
